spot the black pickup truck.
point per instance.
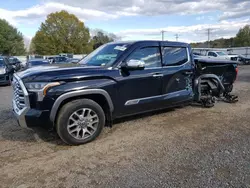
(117, 80)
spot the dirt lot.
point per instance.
(185, 147)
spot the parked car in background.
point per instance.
(6, 71)
(29, 57)
(16, 63)
(243, 59)
(57, 59)
(66, 55)
(73, 60)
(221, 55)
(37, 62)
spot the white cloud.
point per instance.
(229, 8)
(193, 33)
(39, 12)
(113, 9)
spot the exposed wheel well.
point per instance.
(98, 98)
(211, 80)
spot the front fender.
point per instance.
(72, 94)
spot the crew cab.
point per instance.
(117, 80)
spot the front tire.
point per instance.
(80, 121)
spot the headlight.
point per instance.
(40, 88)
(36, 86)
(2, 71)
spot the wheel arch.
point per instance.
(197, 84)
(97, 95)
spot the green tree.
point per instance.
(11, 40)
(243, 37)
(62, 33)
(32, 47)
(101, 38)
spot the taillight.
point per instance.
(236, 70)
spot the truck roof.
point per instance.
(170, 43)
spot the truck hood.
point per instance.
(61, 73)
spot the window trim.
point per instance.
(188, 57)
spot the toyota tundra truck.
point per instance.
(116, 80)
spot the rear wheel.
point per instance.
(80, 121)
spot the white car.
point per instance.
(221, 55)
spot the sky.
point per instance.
(137, 19)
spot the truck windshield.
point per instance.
(221, 53)
(105, 55)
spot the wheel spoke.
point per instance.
(92, 127)
(87, 131)
(94, 121)
(83, 133)
(73, 120)
(73, 130)
(76, 114)
(72, 125)
(83, 112)
(78, 132)
(93, 117)
(72, 117)
(88, 114)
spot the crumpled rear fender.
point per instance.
(197, 84)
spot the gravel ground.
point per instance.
(184, 147)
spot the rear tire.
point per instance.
(80, 121)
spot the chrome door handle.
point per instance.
(188, 73)
(157, 75)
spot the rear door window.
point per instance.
(174, 56)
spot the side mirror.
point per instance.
(134, 65)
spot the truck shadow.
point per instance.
(4, 85)
(143, 115)
(10, 131)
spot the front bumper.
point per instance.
(26, 116)
(20, 114)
